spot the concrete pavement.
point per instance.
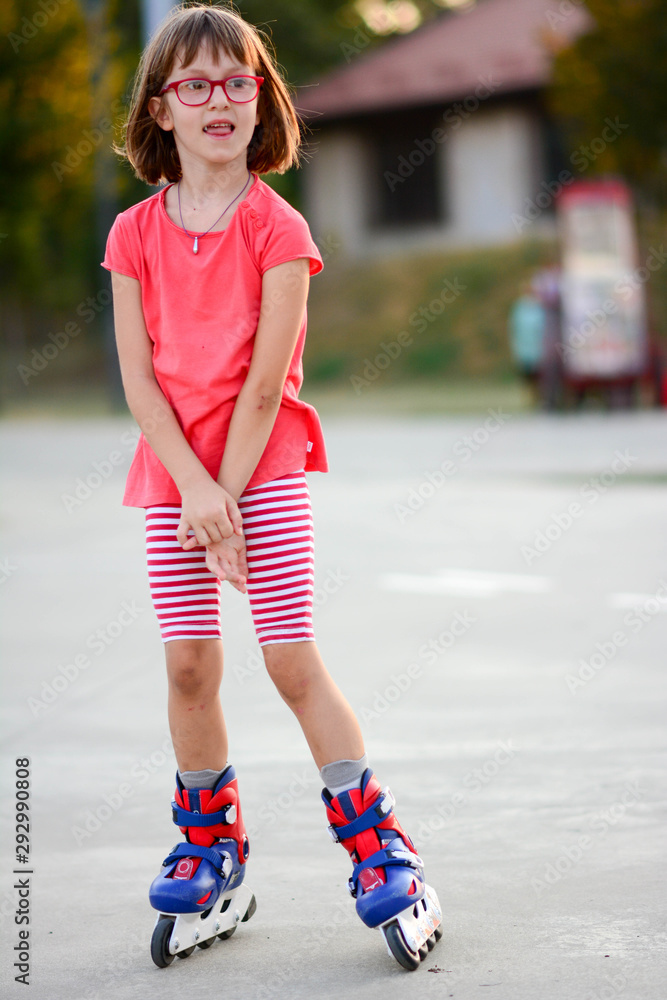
(491, 595)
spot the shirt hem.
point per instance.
(296, 256)
(134, 500)
(119, 270)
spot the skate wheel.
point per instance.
(431, 943)
(186, 953)
(399, 949)
(438, 932)
(205, 944)
(223, 935)
(251, 909)
(423, 952)
(160, 942)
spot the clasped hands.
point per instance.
(211, 517)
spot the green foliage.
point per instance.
(618, 70)
(44, 88)
(58, 75)
(65, 76)
(453, 307)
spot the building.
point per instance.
(439, 138)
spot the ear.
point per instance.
(159, 110)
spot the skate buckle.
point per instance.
(386, 803)
(227, 865)
(410, 859)
(333, 833)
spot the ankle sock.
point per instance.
(201, 779)
(342, 775)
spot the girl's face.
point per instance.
(197, 139)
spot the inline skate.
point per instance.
(388, 876)
(199, 893)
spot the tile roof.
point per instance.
(505, 44)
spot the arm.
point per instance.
(284, 295)
(207, 508)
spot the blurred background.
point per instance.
(487, 184)
(486, 180)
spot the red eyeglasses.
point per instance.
(239, 89)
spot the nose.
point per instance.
(218, 86)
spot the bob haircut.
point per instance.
(152, 151)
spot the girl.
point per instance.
(210, 280)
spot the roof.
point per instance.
(506, 44)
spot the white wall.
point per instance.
(335, 185)
(491, 169)
(488, 167)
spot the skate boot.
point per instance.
(200, 893)
(388, 877)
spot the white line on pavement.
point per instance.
(465, 583)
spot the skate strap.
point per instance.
(183, 817)
(195, 851)
(387, 858)
(371, 817)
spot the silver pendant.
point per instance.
(195, 245)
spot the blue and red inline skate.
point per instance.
(200, 893)
(388, 876)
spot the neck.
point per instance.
(202, 189)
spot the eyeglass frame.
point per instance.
(175, 84)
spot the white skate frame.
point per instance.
(191, 928)
(418, 927)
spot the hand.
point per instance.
(210, 513)
(227, 560)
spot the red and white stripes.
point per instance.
(278, 527)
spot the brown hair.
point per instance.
(152, 151)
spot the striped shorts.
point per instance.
(278, 528)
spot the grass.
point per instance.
(411, 334)
(405, 398)
(432, 315)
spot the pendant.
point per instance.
(195, 245)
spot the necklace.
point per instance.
(195, 245)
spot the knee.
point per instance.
(292, 679)
(190, 669)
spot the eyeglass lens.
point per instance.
(239, 89)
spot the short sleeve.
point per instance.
(283, 236)
(118, 256)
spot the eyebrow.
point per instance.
(237, 68)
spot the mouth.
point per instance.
(219, 128)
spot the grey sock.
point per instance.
(200, 779)
(342, 775)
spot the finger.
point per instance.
(202, 536)
(243, 563)
(232, 570)
(190, 543)
(237, 581)
(214, 532)
(182, 530)
(234, 515)
(213, 564)
(225, 528)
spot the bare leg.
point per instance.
(328, 722)
(198, 731)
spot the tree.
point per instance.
(618, 71)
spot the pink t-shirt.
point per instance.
(201, 313)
